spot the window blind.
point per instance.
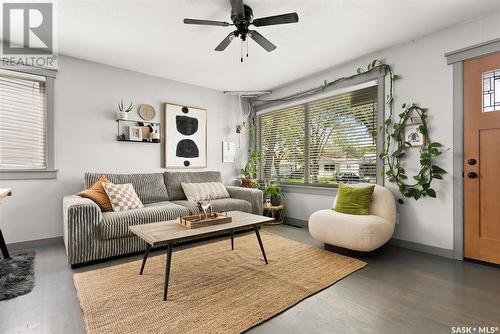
(282, 145)
(23, 121)
(325, 141)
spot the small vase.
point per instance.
(122, 115)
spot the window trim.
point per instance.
(50, 172)
(341, 87)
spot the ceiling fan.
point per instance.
(242, 17)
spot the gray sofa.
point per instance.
(90, 234)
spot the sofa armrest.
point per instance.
(254, 196)
(81, 218)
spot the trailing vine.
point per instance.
(395, 145)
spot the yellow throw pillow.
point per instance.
(97, 194)
(354, 200)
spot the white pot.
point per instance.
(122, 115)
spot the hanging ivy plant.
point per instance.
(395, 145)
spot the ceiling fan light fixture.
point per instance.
(242, 18)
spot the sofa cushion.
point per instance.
(219, 205)
(97, 194)
(354, 200)
(204, 191)
(122, 196)
(150, 187)
(173, 181)
(115, 224)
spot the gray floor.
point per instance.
(400, 291)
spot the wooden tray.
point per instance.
(193, 222)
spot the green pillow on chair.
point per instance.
(354, 200)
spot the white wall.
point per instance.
(426, 79)
(86, 95)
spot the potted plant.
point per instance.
(273, 191)
(122, 112)
(250, 169)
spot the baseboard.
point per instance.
(295, 222)
(443, 252)
(35, 243)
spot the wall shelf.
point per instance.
(147, 130)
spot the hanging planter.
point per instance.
(420, 184)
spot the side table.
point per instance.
(276, 212)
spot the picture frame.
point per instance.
(228, 151)
(185, 136)
(135, 133)
(413, 135)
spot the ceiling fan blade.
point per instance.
(277, 19)
(237, 8)
(262, 41)
(206, 22)
(223, 45)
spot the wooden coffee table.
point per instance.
(170, 232)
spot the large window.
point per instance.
(24, 125)
(321, 142)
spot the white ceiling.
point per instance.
(149, 36)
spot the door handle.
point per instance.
(472, 162)
(471, 175)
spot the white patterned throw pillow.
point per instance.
(204, 191)
(122, 196)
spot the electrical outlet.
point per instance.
(397, 218)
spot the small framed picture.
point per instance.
(135, 133)
(228, 151)
(413, 135)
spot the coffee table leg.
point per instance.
(5, 251)
(167, 271)
(260, 243)
(146, 253)
(232, 240)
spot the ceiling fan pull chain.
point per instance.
(241, 51)
(247, 47)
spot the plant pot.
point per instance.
(122, 115)
(275, 200)
(247, 183)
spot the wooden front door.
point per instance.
(482, 158)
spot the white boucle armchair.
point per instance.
(362, 233)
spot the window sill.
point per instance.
(309, 189)
(28, 174)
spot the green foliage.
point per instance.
(256, 185)
(121, 107)
(250, 169)
(272, 190)
(395, 146)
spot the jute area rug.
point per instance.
(212, 289)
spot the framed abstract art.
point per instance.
(186, 136)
